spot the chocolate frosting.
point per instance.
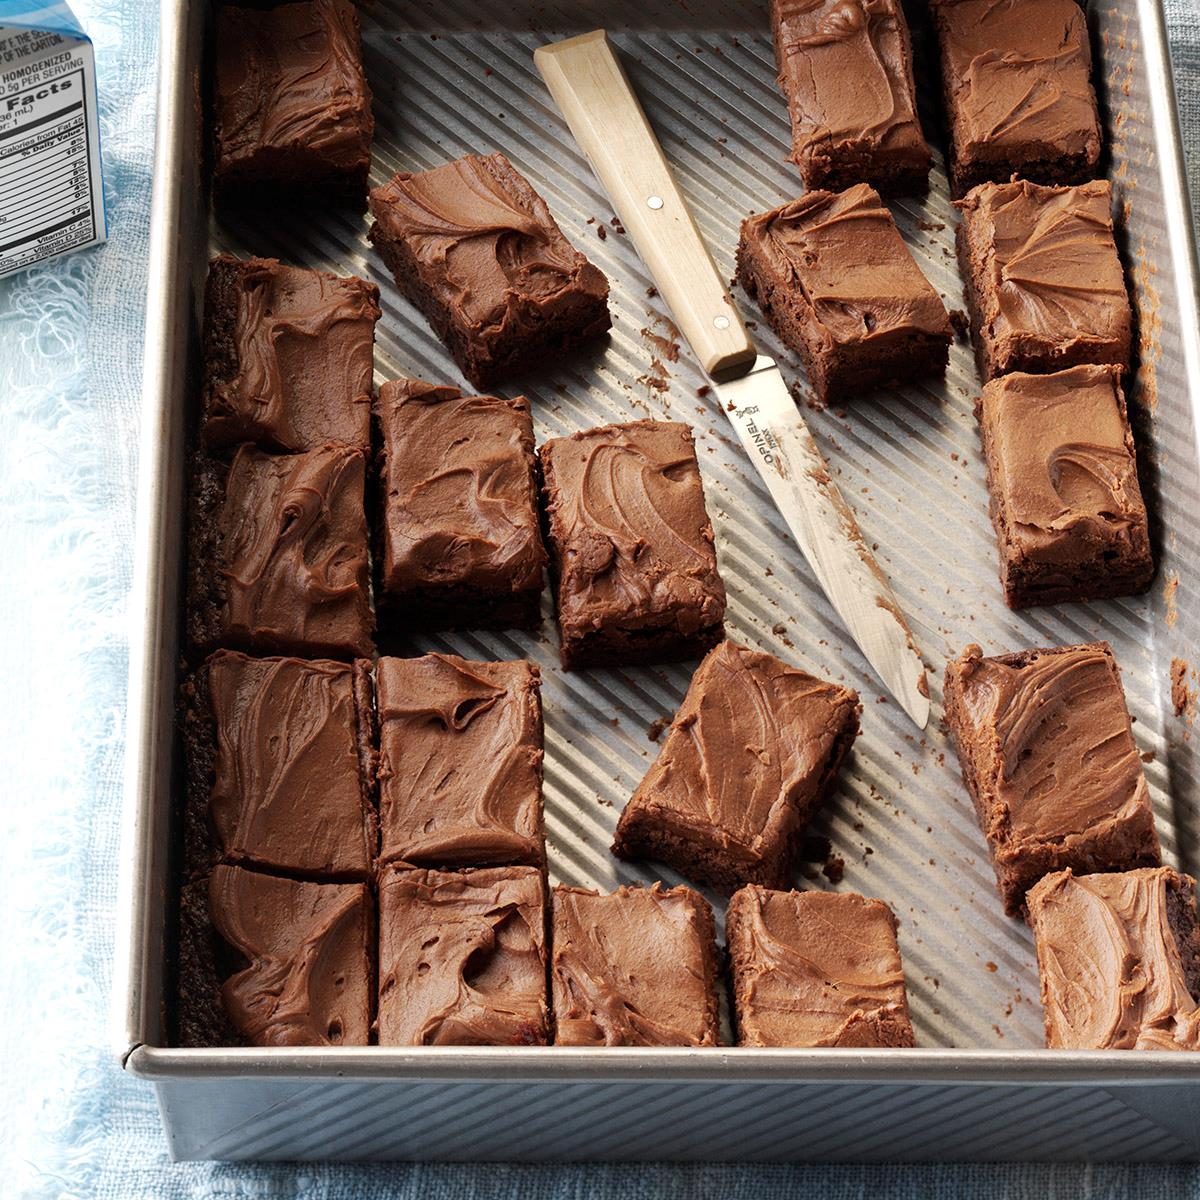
(632, 539)
(309, 974)
(1062, 459)
(291, 356)
(461, 506)
(748, 747)
(486, 246)
(846, 69)
(1018, 74)
(460, 761)
(816, 969)
(635, 968)
(1111, 960)
(462, 958)
(1053, 271)
(291, 77)
(294, 551)
(1065, 763)
(289, 790)
(844, 255)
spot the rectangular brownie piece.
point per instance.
(815, 969)
(637, 967)
(1119, 960)
(269, 961)
(632, 557)
(846, 70)
(291, 106)
(1047, 753)
(460, 762)
(1043, 278)
(278, 560)
(461, 543)
(475, 248)
(289, 356)
(836, 282)
(752, 753)
(281, 766)
(1065, 500)
(1017, 85)
(462, 957)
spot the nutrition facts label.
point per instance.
(50, 197)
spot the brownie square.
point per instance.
(1017, 84)
(1065, 500)
(279, 554)
(632, 557)
(462, 959)
(1044, 283)
(815, 969)
(634, 968)
(1047, 753)
(289, 356)
(281, 766)
(291, 106)
(846, 70)
(752, 753)
(291, 961)
(475, 248)
(460, 766)
(836, 282)
(461, 543)
(1119, 960)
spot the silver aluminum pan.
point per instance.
(452, 76)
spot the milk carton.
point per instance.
(51, 197)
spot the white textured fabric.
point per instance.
(70, 1124)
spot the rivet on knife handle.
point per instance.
(594, 94)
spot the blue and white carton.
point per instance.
(51, 195)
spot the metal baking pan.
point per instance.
(452, 76)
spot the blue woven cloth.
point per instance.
(72, 1125)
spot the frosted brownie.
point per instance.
(1047, 753)
(752, 753)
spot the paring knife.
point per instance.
(591, 88)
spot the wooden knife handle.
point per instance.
(591, 88)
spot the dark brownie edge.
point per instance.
(1185, 925)
(207, 593)
(205, 961)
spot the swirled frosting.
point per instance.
(462, 959)
(1047, 751)
(289, 79)
(841, 256)
(293, 551)
(290, 789)
(1017, 76)
(308, 981)
(460, 771)
(845, 67)
(816, 969)
(634, 968)
(746, 760)
(1062, 466)
(476, 247)
(289, 356)
(632, 541)
(1048, 279)
(1119, 958)
(460, 507)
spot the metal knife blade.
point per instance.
(779, 443)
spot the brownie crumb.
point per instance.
(601, 232)
(1183, 698)
(835, 869)
(655, 731)
(703, 390)
(991, 966)
(961, 323)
